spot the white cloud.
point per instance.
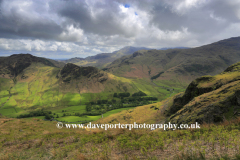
(218, 19)
(184, 6)
(88, 27)
(72, 34)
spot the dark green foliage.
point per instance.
(140, 93)
(121, 95)
(127, 94)
(99, 101)
(48, 116)
(88, 108)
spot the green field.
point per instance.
(77, 118)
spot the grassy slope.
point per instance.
(37, 139)
(211, 98)
(143, 114)
(40, 89)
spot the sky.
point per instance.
(79, 28)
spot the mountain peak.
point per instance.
(13, 65)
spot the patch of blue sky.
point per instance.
(127, 5)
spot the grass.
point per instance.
(141, 114)
(219, 98)
(38, 117)
(116, 111)
(77, 119)
(37, 139)
(7, 111)
(146, 87)
(85, 118)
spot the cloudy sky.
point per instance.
(80, 28)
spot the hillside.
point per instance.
(30, 83)
(208, 99)
(103, 59)
(214, 97)
(13, 65)
(178, 66)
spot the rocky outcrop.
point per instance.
(193, 90)
(209, 99)
(73, 72)
(16, 63)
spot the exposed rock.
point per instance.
(221, 101)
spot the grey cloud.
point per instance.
(89, 26)
(100, 18)
(15, 24)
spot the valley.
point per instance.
(46, 87)
(82, 94)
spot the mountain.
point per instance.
(178, 66)
(208, 99)
(103, 59)
(11, 66)
(28, 83)
(166, 48)
(80, 80)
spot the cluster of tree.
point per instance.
(101, 106)
(140, 93)
(47, 114)
(121, 95)
(90, 107)
(95, 113)
(127, 94)
(139, 99)
(66, 114)
(101, 102)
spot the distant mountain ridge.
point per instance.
(178, 65)
(166, 48)
(103, 59)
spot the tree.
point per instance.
(115, 95)
(47, 116)
(140, 93)
(88, 108)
